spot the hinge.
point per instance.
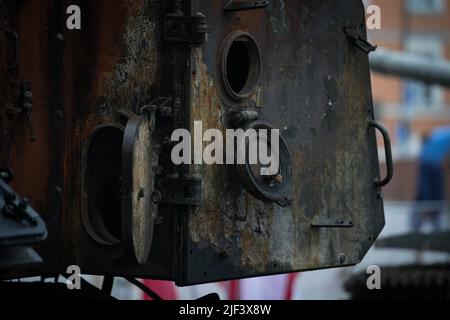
(181, 190)
(186, 29)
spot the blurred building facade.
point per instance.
(411, 109)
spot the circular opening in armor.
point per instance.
(273, 185)
(103, 184)
(241, 66)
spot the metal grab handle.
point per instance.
(388, 151)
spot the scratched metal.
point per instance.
(315, 87)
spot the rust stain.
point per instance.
(116, 63)
(236, 219)
(135, 75)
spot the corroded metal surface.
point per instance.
(80, 80)
(314, 87)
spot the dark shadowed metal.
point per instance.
(301, 66)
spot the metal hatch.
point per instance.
(138, 209)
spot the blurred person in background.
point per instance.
(430, 189)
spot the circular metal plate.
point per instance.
(274, 188)
(138, 209)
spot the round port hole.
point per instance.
(241, 65)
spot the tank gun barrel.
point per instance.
(411, 66)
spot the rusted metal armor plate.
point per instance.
(312, 83)
(315, 88)
(81, 80)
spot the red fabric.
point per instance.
(290, 285)
(234, 290)
(165, 289)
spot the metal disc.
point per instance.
(138, 209)
(276, 188)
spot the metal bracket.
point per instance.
(161, 105)
(26, 106)
(245, 5)
(358, 39)
(238, 119)
(182, 191)
(181, 28)
(320, 223)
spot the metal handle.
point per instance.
(388, 151)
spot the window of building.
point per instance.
(430, 7)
